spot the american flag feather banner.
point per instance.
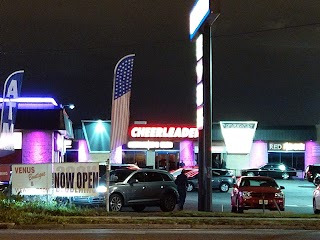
(120, 112)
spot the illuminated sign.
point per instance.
(163, 132)
(238, 136)
(198, 15)
(11, 91)
(150, 144)
(287, 146)
(199, 89)
(200, 118)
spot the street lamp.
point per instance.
(70, 106)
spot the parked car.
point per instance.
(316, 200)
(257, 193)
(4, 188)
(311, 172)
(114, 166)
(274, 170)
(136, 188)
(222, 179)
(178, 171)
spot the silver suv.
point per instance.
(136, 188)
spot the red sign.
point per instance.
(171, 132)
(4, 173)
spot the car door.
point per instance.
(155, 185)
(274, 171)
(216, 179)
(265, 170)
(136, 188)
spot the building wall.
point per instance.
(312, 153)
(258, 155)
(237, 161)
(37, 147)
(99, 157)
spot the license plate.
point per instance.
(265, 202)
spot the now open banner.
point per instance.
(57, 179)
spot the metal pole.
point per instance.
(201, 190)
(108, 167)
(205, 135)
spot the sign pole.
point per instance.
(107, 183)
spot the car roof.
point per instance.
(142, 170)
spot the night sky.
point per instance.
(266, 57)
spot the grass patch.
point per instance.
(21, 212)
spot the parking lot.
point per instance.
(298, 193)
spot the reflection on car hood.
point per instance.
(260, 189)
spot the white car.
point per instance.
(316, 200)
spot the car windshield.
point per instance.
(118, 175)
(258, 183)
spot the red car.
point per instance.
(257, 193)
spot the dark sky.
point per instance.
(266, 57)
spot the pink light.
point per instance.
(37, 147)
(311, 155)
(258, 154)
(117, 155)
(186, 153)
(32, 100)
(83, 151)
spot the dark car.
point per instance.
(257, 193)
(311, 172)
(222, 179)
(274, 170)
(136, 188)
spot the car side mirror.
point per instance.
(282, 187)
(132, 181)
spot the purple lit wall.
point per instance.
(258, 154)
(312, 153)
(187, 153)
(83, 151)
(117, 158)
(37, 147)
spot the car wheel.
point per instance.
(115, 202)
(315, 210)
(138, 208)
(168, 202)
(250, 174)
(190, 187)
(224, 187)
(61, 201)
(239, 209)
(285, 176)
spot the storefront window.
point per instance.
(135, 157)
(295, 160)
(167, 161)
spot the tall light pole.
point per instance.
(202, 16)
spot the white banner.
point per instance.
(31, 179)
(75, 179)
(58, 179)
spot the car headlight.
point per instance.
(246, 194)
(279, 195)
(101, 189)
(282, 167)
